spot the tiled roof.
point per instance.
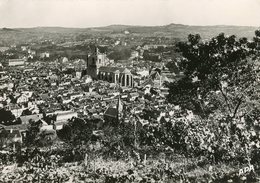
(111, 112)
(34, 117)
(148, 82)
(16, 59)
(112, 69)
(17, 127)
(154, 74)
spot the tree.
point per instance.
(32, 133)
(120, 53)
(3, 136)
(217, 75)
(172, 66)
(76, 131)
(6, 116)
(47, 137)
(26, 112)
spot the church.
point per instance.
(118, 75)
(97, 68)
(94, 62)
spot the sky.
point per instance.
(93, 13)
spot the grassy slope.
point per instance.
(84, 172)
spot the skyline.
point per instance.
(96, 13)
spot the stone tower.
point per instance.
(94, 62)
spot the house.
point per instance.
(17, 110)
(113, 114)
(31, 52)
(62, 119)
(78, 74)
(158, 77)
(164, 91)
(132, 96)
(15, 136)
(3, 49)
(126, 32)
(46, 127)
(1, 67)
(33, 117)
(16, 62)
(16, 132)
(76, 95)
(134, 54)
(65, 115)
(66, 99)
(22, 99)
(45, 55)
(59, 125)
(21, 127)
(24, 48)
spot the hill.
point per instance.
(179, 31)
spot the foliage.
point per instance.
(77, 131)
(32, 133)
(216, 76)
(3, 136)
(6, 116)
(173, 67)
(46, 138)
(151, 56)
(120, 53)
(26, 112)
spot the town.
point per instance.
(129, 91)
(45, 91)
(95, 104)
(55, 89)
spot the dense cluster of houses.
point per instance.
(54, 92)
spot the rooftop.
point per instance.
(113, 69)
(111, 112)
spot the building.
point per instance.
(126, 32)
(113, 114)
(158, 77)
(45, 55)
(22, 99)
(2, 72)
(16, 133)
(117, 75)
(31, 52)
(16, 62)
(134, 54)
(17, 110)
(3, 49)
(24, 48)
(62, 118)
(33, 117)
(94, 62)
(65, 115)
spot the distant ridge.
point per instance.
(127, 26)
(175, 31)
(8, 29)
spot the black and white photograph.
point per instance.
(129, 91)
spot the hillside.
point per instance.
(179, 31)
